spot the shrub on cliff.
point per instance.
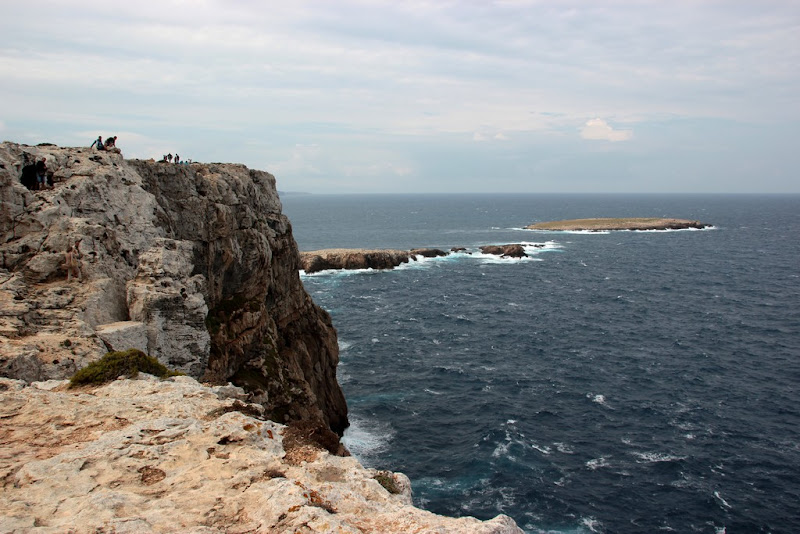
(115, 364)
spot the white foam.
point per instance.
(665, 230)
(597, 463)
(722, 501)
(592, 524)
(542, 448)
(597, 399)
(337, 272)
(656, 457)
(563, 448)
(365, 438)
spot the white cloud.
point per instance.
(480, 137)
(598, 129)
(303, 161)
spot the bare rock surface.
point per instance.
(147, 455)
(199, 255)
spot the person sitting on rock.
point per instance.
(169, 157)
(111, 142)
(98, 142)
(41, 174)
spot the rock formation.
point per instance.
(350, 258)
(194, 264)
(506, 251)
(147, 455)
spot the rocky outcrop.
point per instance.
(320, 260)
(195, 263)
(506, 251)
(606, 224)
(147, 455)
(427, 252)
(354, 258)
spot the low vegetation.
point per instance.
(122, 363)
(388, 482)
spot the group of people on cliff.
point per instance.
(169, 158)
(110, 144)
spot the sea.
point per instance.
(610, 382)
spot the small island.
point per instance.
(605, 224)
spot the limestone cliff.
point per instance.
(194, 264)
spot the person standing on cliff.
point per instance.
(41, 174)
(72, 258)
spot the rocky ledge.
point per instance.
(146, 455)
(606, 224)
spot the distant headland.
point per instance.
(630, 223)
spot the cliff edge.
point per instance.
(193, 264)
(146, 455)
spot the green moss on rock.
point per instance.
(388, 482)
(122, 363)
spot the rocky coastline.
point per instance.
(196, 266)
(350, 258)
(608, 224)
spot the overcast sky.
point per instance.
(421, 96)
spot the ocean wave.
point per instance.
(598, 399)
(722, 501)
(656, 457)
(665, 230)
(597, 463)
(592, 524)
(337, 273)
(366, 438)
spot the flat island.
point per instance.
(604, 224)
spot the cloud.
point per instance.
(480, 137)
(303, 161)
(598, 129)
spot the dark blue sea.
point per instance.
(613, 382)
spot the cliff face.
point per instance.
(194, 264)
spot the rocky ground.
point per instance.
(150, 455)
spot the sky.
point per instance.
(506, 96)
